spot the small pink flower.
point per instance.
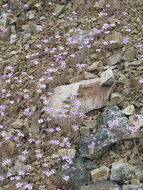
(1, 178)
(28, 186)
(66, 178)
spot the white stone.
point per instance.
(107, 78)
(136, 121)
(13, 38)
(17, 124)
(129, 110)
(67, 152)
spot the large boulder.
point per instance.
(90, 94)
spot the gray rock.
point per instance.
(78, 58)
(59, 9)
(124, 171)
(19, 166)
(116, 37)
(82, 37)
(101, 185)
(13, 38)
(81, 174)
(107, 78)
(104, 137)
(136, 63)
(13, 30)
(4, 19)
(114, 59)
(31, 14)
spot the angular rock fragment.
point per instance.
(114, 59)
(107, 78)
(59, 9)
(111, 127)
(94, 66)
(116, 99)
(79, 172)
(129, 55)
(117, 38)
(129, 110)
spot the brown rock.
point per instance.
(90, 123)
(135, 181)
(99, 5)
(19, 23)
(7, 150)
(94, 66)
(90, 94)
(100, 174)
(93, 56)
(117, 37)
(88, 76)
(129, 55)
(84, 131)
(14, 4)
(6, 33)
(77, 78)
(116, 99)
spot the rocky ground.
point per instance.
(71, 95)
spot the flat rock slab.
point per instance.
(102, 185)
(114, 59)
(90, 94)
(104, 138)
(124, 171)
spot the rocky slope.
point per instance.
(71, 95)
